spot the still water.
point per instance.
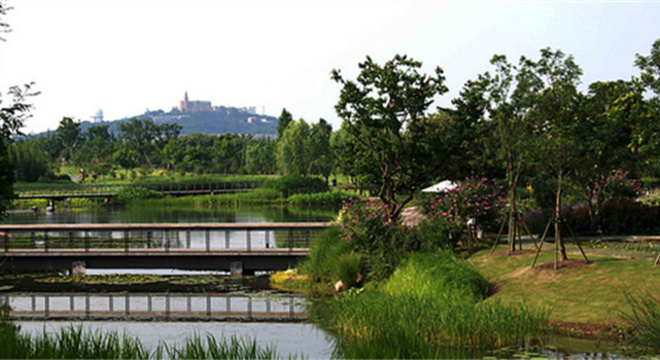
(142, 214)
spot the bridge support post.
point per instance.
(78, 268)
(236, 268)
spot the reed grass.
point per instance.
(644, 320)
(431, 307)
(76, 343)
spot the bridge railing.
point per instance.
(151, 306)
(164, 237)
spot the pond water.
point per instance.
(145, 214)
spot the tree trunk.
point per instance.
(558, 236)
(512, 204)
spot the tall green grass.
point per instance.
(321, 264)
(75, 343)
(644, 320)
(430, 307)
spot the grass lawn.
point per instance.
(592, 293)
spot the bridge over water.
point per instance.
(246, 247)
(154, 306)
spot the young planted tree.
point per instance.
(384, 111)
(556, 113)
(504, 100)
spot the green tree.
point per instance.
(260, 157)
(14, 109)
(293, 150)
(610, 113)
(69, 135)
(646, 140)
(282, 122)
(28, 160)
(138, 136)
(556, 113)
(322, 157)
(504, 100)
(384, 111)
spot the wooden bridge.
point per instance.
(154, 306)
(243, 248)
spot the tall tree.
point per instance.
(322, 159)
(138, 137)
(282, 122)
(14, 109)
(384, 110)
(610, 113)
(556, 112)
(70, 136)
(293, 151)
(504, 99)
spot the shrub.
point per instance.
(475, 198)
(128, 193)
(296, 184)
(324, 198)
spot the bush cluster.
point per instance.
(296, 184)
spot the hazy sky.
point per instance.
(127, 56)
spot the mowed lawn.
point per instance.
(592, 293)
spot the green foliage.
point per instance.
(384, 111)
(294, 150)
(425, 309)
(29, 161)
(644, 320)
(435, 275)
(131, 193)
(321, 263)
(349, 268)
(334, 198)
(295, 184)
(75, 343)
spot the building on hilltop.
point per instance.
(98, 116)
(187, 106)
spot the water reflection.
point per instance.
(138, 214)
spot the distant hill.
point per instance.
(222, 120)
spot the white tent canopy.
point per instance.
(442, 186)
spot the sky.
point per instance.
(127, 56)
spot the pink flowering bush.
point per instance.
(475, 197)
(616, 185)
(368, 230)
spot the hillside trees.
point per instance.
(384, 111)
